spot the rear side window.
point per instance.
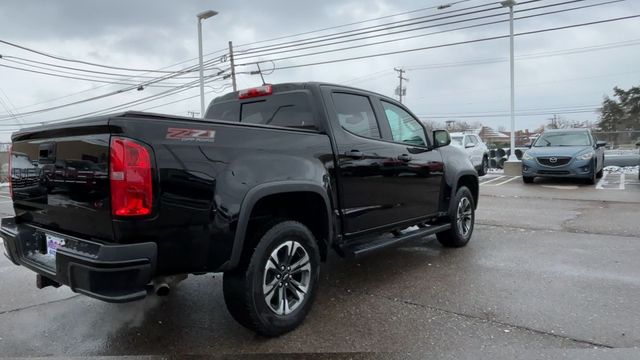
(355, 114)
(288, 110)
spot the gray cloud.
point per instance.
(154, 34)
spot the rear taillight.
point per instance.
(255, 92)
(131, 181)
(10, 172)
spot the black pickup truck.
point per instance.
(261, 189)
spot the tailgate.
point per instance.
(60, 179)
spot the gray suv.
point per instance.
(568, 153)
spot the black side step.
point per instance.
(383, 241)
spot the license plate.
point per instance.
(53, 243)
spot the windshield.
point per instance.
(563, 139)
(456, 140)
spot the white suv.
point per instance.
(475, 148)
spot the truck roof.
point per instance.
(296, 86)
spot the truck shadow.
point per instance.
(194, 316)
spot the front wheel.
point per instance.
(273, 292)
(484, 167)
(593, 178)
(462, 215)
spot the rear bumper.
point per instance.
(113, 273)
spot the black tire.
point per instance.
(594, 175)
(484, 167)
(243, 287)
(601, 172)
(527, 179)
(456, 236)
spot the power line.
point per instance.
(17, 59)
(143, 84)
(537, 55)
(436, 32)
(188, 98)
(447, 94)
(118, 107)
(82, 61)
(455, 43)
(371, 29)
(101, 86)
(92, 79)
(350, 24)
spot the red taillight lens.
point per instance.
(131, 181)
(10, 171)
(255, 92)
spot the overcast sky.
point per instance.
(155, 34)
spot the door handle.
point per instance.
(354, 154)
(404, 157)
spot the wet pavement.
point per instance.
(551, 272)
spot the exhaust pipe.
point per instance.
(162, 289)
(162, 285)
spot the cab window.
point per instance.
(404, 127)
(356, 115)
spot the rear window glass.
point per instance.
(287, 110)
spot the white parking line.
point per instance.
(506, 181)
(486, 182)
(621, 182)
(601, 182)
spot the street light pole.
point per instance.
(510, 4)
(202, 16)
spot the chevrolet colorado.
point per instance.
(260, 189)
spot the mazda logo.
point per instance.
(553, 160)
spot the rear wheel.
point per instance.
(462, 216)
(527, 179)
(273, 291)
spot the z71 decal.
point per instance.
(191, 134)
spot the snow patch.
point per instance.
(627, 170)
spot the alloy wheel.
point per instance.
(286, 279)
(464, 219)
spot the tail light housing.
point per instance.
(11, 171)
(130, 177)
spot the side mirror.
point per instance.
(441, 138)
(638, 144)
(600, 144)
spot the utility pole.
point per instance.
(510, 4)
(233, 68)
(512, 166)
(201, 16)
(400, 90)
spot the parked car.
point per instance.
(261, 189)
(569, 153)
(474, 147)
(638, 146)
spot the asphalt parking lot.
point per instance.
(551, 272)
